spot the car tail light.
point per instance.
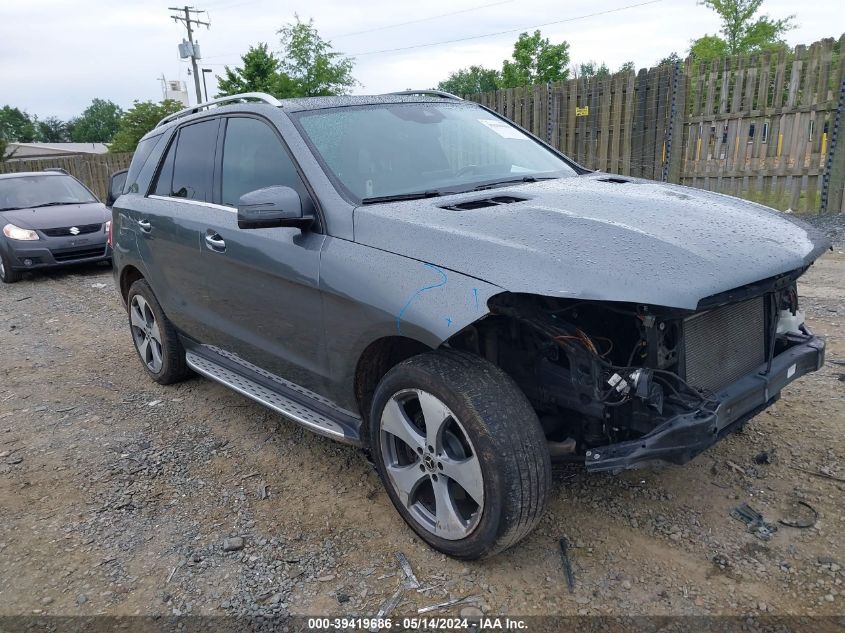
(109, 238)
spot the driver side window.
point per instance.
(254, 158)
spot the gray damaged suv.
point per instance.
(415, 275)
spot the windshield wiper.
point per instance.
(57, 204)
(419, 195)
(512, 181)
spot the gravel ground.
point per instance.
(120, 497)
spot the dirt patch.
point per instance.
(117, 495)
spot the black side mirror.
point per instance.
(116, 183)
(272, 207)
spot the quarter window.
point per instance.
(254, 158)
(164, 184)
(142, 153)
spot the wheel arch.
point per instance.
(379, 357)
(128, 276)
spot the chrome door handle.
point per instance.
(145, 225)
(215, 242)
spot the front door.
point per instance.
(261, 286)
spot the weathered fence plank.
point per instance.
(758, 127)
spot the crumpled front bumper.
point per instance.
(684, 436)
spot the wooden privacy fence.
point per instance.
(765, 127)
(92, 169)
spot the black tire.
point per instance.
(504, 432)
(173, 367)
(7, 275)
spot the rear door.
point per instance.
(170, 220)
(260, 287)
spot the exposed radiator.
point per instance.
(724, 344)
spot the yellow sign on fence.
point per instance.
(585, 111)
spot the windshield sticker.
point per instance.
(502, 129)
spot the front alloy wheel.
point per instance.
(432, 464)
(461, 452)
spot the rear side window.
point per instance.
(254, 158)
(188, 169)
(164, 184)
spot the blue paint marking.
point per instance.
(448, 321)
(407, 305)
(475, 294)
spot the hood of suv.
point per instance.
(56, 217)
(590, 238)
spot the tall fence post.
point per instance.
(673, 122)
(833, 180)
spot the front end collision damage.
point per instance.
(608, 380)
(605, 378)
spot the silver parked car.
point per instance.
(49, 219)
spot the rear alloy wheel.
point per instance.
(154, 336)
(146, 333)
(461, 453)
(7, 275)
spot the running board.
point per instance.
(272, 399)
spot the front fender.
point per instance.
(371, 294)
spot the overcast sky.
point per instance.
(57, 55)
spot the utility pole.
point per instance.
(188, 21)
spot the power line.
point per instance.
(433, 17)
(524, 28)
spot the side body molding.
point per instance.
(390, 296)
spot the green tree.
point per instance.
(672, 58)
(472, 80)
(592, 69)
(259, 73)
(138, 120)
(98, 123)
(535, 60)
(310, 63)
(52, 130)
(742, 33)
(627, 67)
(16, 126)
(708, 48)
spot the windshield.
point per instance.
(391, 150)
(27, 192)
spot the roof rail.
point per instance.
(428, 93)
(246, 96)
